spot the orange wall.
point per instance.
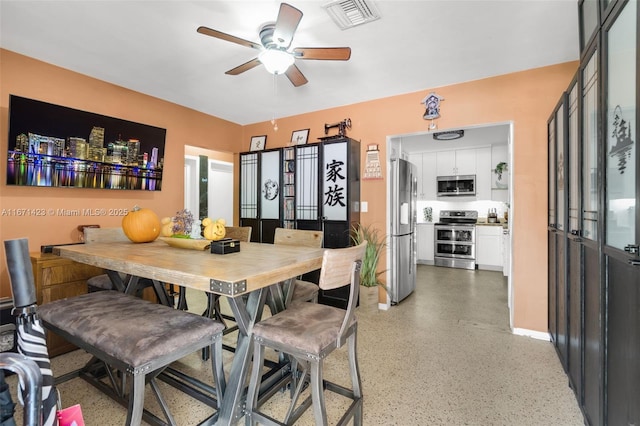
(30, 78)
(526, 98)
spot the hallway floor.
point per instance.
(443, 356)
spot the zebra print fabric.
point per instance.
(32, 344)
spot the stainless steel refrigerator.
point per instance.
(403, 220)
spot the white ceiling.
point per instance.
(152, 47)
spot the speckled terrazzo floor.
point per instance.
(444, 356)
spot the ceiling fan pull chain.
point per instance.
(275, 102)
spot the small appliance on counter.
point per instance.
(492, 216)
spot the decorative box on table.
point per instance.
(225, 246)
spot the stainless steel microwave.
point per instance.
(459, 185)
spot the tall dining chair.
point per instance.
(103, 235)
(309, 332)
(103, 281)
(240, 233)
(302, 290)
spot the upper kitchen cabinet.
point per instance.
(416, 160)
(483, 174)
(429, 174)
(456, 162)
(425, 174)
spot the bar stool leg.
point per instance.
(317, 393)
(254, 383)
(218, 370)
(136, 400)
(355, 376)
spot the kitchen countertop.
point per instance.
(504, 225)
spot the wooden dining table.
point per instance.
(244, 278)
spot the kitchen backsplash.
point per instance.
(481, 206)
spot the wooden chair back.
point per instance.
(104, 235)
(341, 267)
(240, 233)
(298, 237)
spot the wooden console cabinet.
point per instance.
(57, 278)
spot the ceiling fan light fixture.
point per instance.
(276, 61)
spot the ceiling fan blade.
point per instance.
(228, 37)
(244, 67)
(296, 77)
(323, 53)
(288, 19)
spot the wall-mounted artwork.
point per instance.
(56, 146)
(299, 137)
(258, 143)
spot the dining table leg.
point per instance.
(246, 314)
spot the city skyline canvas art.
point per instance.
(56, 146)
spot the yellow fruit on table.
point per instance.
(141, 225)
(167, 227)
(214, 231)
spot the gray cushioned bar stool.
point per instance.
(308, 333)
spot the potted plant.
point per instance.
(376, 243)
(501, 167)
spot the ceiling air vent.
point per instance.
(350, 13)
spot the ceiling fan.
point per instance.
(275, 39)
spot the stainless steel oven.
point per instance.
(455, 239)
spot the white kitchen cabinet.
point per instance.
(426, 174)
(483, 173)
(456, 162)
(416, 160)
(489, 248)
(466, 161)
(446, 163)
(429, 174)
(424, 243)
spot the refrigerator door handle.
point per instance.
(412, 254)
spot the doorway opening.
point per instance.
(208, 183)
(493, 144)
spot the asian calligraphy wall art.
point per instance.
(335, 182)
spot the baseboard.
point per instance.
(540, 335)
(383, 306)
